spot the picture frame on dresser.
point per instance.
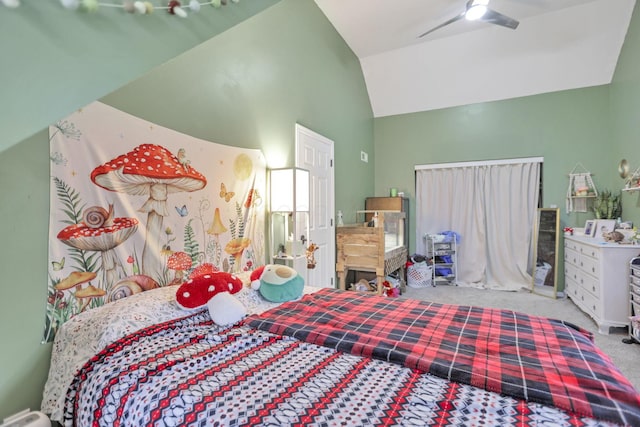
(590, 227)
(604, 226)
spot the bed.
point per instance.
(332, 357)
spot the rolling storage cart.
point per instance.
(634, 301)
(442, 252)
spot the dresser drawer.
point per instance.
(570, 244)
(590, 265)
(591, 304)
(571, 256)
(590, 284)
(571, 272)
(581, 298)
(571, 288)
(589, 251)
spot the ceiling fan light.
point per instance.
(475, 12)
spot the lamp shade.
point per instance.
(289, 190)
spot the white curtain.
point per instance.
(492, 206)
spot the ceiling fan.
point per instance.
(477, 10)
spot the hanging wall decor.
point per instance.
(135, 206)
(581, 189)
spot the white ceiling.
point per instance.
(559, 45)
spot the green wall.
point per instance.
(24, 200)
(625, 113)
(249, 88)
(246, 87)
(56, 60)
(563, 127)
(595, 127)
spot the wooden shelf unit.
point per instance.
(362, 248)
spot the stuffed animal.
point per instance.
(255, 277)
(215, 290)
(362, 285)
(311, 259)
(278, 283)
(613, 236)
(390, 290)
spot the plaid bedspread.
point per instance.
(189, 372)
(531, 358)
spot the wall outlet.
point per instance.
(364, 157)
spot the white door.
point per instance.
(314, 152)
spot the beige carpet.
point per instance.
(625, 356)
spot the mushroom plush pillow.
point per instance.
(279, 283)
(215, 290)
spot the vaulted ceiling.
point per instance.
(558, 45)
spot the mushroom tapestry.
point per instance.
(136, 206)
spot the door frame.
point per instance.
(331, 245)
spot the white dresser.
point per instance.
(596, 278)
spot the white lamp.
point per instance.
(289, 190)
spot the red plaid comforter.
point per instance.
(527, 357)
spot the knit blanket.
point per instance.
(531, 358)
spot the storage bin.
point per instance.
(419, 275)
(443, 271)
(636, 308)
(635, 329)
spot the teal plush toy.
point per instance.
(279, 283)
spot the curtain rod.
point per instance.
(480, 163)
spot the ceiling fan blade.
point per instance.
(445, 23)
(497, 18)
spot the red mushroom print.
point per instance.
(179, 261)
(93, 235)
(149, 170)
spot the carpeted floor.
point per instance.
(625, 356)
